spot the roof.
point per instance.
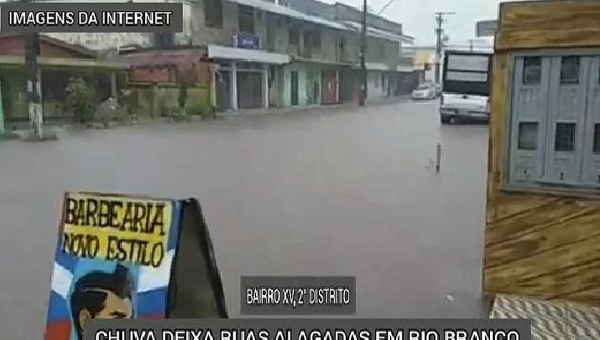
(293, 13)
(174, 57)
(290, 12)
(52, 62)
(56, 42)
(377, 33)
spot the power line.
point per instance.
(385, 7)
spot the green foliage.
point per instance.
(183, 93)
(164, 104)
(79, 100)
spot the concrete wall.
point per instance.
(308, 75)
(202, 35)
(374, 86)
(208, 35)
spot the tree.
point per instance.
(186, 78)
(79, 100)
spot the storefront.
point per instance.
(246, 78)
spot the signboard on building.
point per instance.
(486, 28)
(247, 41)
(119, 257)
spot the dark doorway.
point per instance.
(329, 87)
(294, 88)
(249, 90)
(223, 99)
(346, 85)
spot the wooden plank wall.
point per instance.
(543, 245)
(548, 24)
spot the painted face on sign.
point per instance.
(115, 307)
(100, 295)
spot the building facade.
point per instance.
(280, 53)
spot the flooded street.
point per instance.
(339, 192)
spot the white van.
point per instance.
(465, 86)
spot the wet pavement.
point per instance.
(332, 192)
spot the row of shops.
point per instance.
(224, 78)
(254, 79)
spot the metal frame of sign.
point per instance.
(206, 247)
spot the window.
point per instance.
(316, 40)
(307, 43)
(376, 81)
(213, 13)
(383, 81)
(596, 139)
(246, 19)
(532, 71)
(528, 136)
(342, 49)
(467, 76)
(555, 129)
(165, 39)
(565, 137)
(569, 70)
(294, 37)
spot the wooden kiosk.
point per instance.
(542, 237)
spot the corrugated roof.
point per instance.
(290, 12)
(165, 57)
(377, 33)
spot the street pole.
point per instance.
(363, 65)
(33, 97)
(439, 31)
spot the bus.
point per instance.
(465, 86)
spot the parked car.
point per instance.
(425, 91)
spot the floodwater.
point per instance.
(332, 192)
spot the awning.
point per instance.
(241, 54)
(320, 62)
(64, 62)
(378, 67)
(405, 68)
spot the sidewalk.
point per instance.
(313, 108)
(57, 125)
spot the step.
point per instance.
(551, 320)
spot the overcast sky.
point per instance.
(418, 19)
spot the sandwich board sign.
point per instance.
(121, 256)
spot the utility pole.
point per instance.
(32, 50)
(439, 31)
(363, 64)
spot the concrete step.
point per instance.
(551, 320)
